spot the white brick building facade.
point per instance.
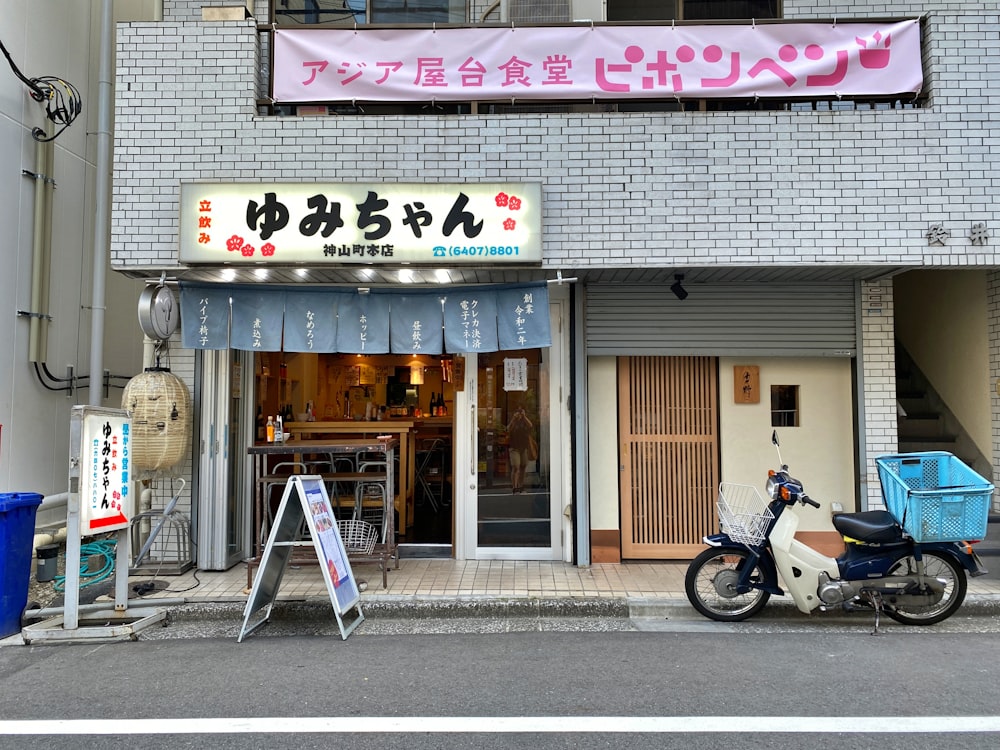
(824, 190)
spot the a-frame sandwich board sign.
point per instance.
(304, 501)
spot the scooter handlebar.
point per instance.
(806, 500)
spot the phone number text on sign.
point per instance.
(476, 250)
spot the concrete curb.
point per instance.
(509, 608)
(782, 608)
(429, 615)
(421, 608)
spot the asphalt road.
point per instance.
(820, 688)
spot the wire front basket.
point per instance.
(743, 513)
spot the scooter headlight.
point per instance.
(773, 487)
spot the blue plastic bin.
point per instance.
(17, 531)
(935, 497)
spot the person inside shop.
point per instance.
(518, 446)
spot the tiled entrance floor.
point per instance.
(465, 578)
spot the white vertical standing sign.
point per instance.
(99, 497)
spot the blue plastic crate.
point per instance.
(934, 496)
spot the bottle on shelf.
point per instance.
(270, 429)
(442, 407)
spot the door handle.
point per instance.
(473, 433)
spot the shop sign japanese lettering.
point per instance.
(523, 317)
(105, 503)
(470, 321)
(416, 323)
(603, 62)
(430, 322)
(252, 313)
(345, 224)
(310, 321)
(363, 324)
(515, 374)
(205, 319)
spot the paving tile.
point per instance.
(468, 578)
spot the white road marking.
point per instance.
(508, 724)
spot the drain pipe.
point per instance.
(102, 248)
(55, 531)
(41, 247)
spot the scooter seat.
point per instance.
(872, 526)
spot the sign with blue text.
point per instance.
(105, 454)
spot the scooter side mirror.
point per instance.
(774, 442)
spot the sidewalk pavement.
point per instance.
(420, 586)
(486, 595)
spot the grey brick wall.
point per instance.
(878, 359)
(620, 189)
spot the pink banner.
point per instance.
(603, 62)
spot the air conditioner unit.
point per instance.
(551, 11)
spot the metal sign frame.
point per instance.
(313, 508)
(119, 623)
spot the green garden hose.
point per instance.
(88, 577)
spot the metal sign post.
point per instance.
(100, 501)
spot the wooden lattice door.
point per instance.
(669, 454)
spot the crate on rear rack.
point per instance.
(934, 496)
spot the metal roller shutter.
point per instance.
(775, 319)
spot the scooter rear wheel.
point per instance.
(936, 566)
(710, 585)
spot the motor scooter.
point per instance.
(882, 567)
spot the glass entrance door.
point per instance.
(514, 507)
(511, 467)
(510, 491)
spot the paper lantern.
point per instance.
(160, 406)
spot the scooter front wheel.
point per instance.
(711, 580)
